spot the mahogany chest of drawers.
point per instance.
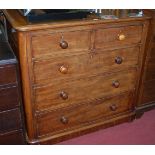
(11, 121)
(77, 76)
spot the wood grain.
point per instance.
(81, 115)
(83, 90)
(83, 65)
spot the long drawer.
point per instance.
(10, 120)
(83, 90)
(84, 65)
(119, 36)
(12, 138)
(77, 116)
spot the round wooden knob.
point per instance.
(115, 84)
(63, 69)
(121, 37)
(63, 44)
(113, 107)
(64, 120)
(118, 60)
(64, 95)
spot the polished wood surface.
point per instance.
(92, 88)
(63, 120)
(78, 76)
(112, 36)
(10, 120)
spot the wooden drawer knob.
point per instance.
(121, 37)
(113, 107)
(63, 69)
(64, 95)
(118, 60)
(63, 44)
(115, 84)
(64, 120)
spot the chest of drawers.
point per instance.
(78, 76)
(11, 116)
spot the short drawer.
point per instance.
(77, 116)
(83, 90)
(7, 74)
(10, 120)
(60, 43)
(119, 36)
(75, 66)
(12, 138)
(9, 98)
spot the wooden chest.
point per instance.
(78, 76)
(147, 87)
(11, 116)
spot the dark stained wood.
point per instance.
(92, 88)
(12, 138)
(10, 120)
(80, 65)
(9, 98)
(10, 71)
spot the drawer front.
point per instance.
(78, 116)
(12, 138)
(9, 98)
(60, 43)
(84, 65)
(10, 120)
(7, 74)
(113, 37)
(83, 90)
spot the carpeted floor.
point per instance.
(140, 131)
